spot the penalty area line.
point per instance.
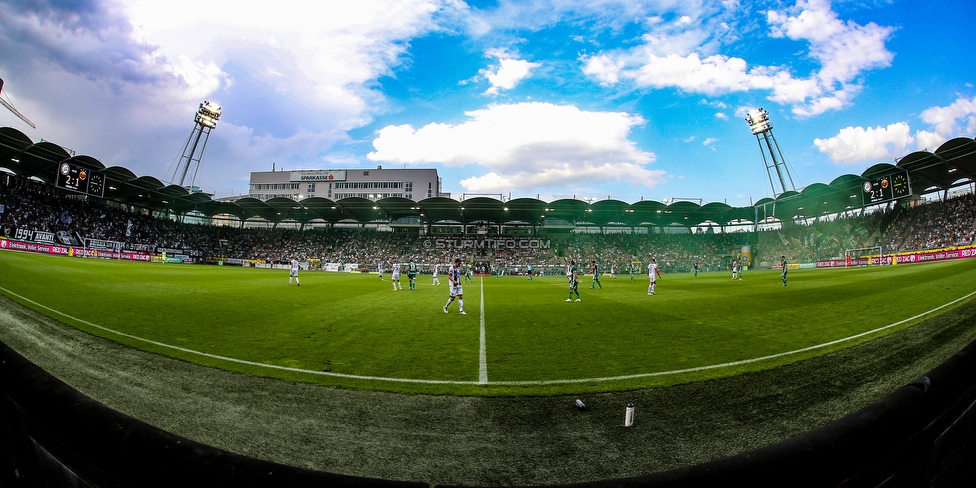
(483, 366)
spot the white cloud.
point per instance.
(202, 79)
(844, 49)
(820, 105)
(604, 68)
(958, 117)
(677, 55)
(928, 141)
(709, 141)
(508, 73)
(135, 71)
(716, 104)
(713, 75)
(490, 182)
(743, 110)
(526, 145)
(92, 40)
(853, 145)
(327, 55)
(788, 90)
(514, 15)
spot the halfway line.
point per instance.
(483, 355)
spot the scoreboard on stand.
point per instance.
(80, 179)
(886, 187)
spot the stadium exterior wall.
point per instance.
(923, 434)
(374, 184)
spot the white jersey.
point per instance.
(652, 271)
(434, 270)
(396, 270)
(294, 267)
(454, 275)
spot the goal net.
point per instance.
(864, 256)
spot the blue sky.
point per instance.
(555, 98)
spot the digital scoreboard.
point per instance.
(886, 187)
(80, 179)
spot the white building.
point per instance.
(372, 184)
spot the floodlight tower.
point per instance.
(758, 120)
(205, 120)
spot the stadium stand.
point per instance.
(824, 239)
(936, 225)
(924, 226)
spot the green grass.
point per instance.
(357, 327)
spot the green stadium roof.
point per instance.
(952, 164)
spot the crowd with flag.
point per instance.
(935, 224)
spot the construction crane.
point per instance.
(11, 108)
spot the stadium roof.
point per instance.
(952, 164)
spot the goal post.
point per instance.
(864, 256)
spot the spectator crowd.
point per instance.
(925, 226)
(935, 225)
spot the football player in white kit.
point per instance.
(396, 275)
(294, 272)
(454, 275)
(434, 272)
(652, 274)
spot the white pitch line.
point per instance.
(483, 354)
(486, 383)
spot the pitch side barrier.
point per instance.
(102, 250)
(901, 258)
(78, 252)
(923, 434)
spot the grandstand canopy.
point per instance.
(952, 164)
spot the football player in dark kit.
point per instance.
(783, 258)
(573, 281)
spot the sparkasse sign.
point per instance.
(312, 175)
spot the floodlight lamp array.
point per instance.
(758, 120)
(208, 114)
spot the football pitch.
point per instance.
(519, 337)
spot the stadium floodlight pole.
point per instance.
(758, 120)
(206, 119)
(13, 110)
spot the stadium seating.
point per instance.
(922, 226)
